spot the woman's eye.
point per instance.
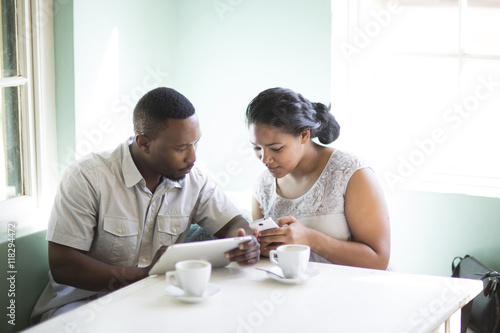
(277, 149)
(256, 148)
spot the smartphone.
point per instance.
(263, 224)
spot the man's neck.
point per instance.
(152, 179)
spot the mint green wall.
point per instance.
(31, 267)
(216, 55)
(123, 48)
(430, 229)
(229, 51)
(65, 81)
(108, 54)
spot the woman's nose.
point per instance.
(265, 158)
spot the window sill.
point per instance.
(457, 184)
(22, 211)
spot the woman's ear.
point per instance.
(305, 136)
(142, 142)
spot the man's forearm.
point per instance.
(231, 228)
(74, 268)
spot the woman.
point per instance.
(320, 196)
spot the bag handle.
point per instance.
(453, 266)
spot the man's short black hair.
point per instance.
(156, 107)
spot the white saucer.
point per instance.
(177, 292)
(304, 276)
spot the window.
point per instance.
(14, 84)
(27, 107)
(417, 86)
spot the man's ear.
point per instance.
(142, 142)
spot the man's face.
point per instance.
(173, 152)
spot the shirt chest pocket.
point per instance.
(170, 227)
(119, 240)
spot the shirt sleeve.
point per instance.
(74, 213)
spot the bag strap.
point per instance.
(493, 277)
(453, 265)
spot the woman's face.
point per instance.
(280, 152)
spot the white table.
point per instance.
(339, 299)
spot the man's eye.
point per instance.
(256, 148)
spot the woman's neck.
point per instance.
(310, 162)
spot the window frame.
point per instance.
(38, 122)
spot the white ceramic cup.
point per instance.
(191, 275)
(291, 258)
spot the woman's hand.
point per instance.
(291, 231)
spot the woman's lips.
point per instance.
(272, 170)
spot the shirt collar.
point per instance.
(130, 172)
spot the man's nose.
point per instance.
(191, 156)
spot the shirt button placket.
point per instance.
(147, 238)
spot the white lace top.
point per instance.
(322, 207)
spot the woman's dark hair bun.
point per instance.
(293, 113)
(329, 129)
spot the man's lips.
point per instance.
(187, 170)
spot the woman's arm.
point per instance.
(256, 211)
(368, 218)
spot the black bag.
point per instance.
(482, 314)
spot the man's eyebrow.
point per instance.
(268, 145)
(187, 144)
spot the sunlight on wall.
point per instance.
(122, 50)
(94, 126)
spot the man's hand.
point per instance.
(247, 253)
(157, 256)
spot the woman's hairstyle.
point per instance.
(156, 107)
(292, 113)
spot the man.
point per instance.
(116, 212)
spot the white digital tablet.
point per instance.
(212, 251)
